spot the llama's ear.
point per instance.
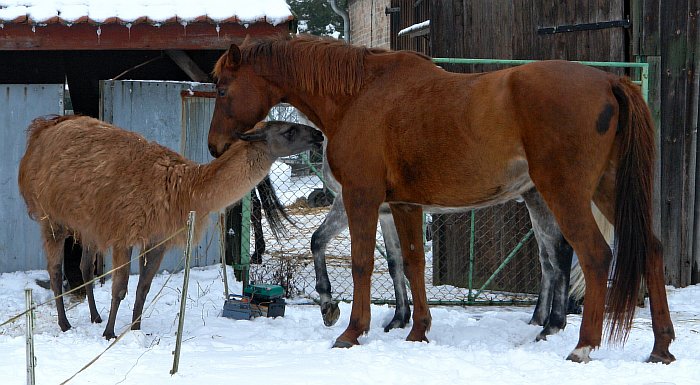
(253, 136)
(234, 57)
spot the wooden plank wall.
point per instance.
(504, 29)
(410, 12)
(674, 36)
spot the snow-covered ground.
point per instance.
(472, 345)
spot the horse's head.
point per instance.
(243, 98)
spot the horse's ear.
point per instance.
(234, 57)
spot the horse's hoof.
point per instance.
(417, 337)
(330, 313)
(344, 344)
(396, 323)
(664, 358)
(109, 335)
(547, 331)
(65, 326)
(580, 355)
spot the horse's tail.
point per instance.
(274, 209)
(633, 207)
(577, 283)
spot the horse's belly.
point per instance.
(467, 190)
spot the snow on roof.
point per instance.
(415, 27)
(154, 11)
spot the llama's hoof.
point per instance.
(330, 313)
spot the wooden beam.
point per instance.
(188, 66)
(85, 36)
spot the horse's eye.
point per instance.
(221, 92)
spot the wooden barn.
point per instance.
(138, 67)
(662, 34)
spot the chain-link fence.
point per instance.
(492, 261)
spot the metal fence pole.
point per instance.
(31, 360)
(181, 322)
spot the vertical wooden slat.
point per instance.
(676, 212)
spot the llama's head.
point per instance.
(284, 138)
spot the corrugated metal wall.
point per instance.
(20, 244)
(175, 115)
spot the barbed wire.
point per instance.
(34, 307)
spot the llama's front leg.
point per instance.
(87, 266)
(120, 282)
(148, 266)
(53, 246)
(332, 225)
(409, 219)
(362, 218)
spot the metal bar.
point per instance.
(526, 61)
(31, 359)
(505, 262)
(185, 284)
(516, 302)
(222, 252)
(584, 27)
(644, 81)
(472, 240)
(245, 239)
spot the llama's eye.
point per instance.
(289, 134)
(221, 92)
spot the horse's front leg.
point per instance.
(402, 314)
(335, 222)
(409, 219)
(363, 212)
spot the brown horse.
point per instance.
(404, 131)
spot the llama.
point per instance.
(133, 193)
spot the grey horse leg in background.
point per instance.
(335, 222)
(555, 260)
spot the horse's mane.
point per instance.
(318, 65)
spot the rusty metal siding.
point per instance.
(20, 242)
(169, 113)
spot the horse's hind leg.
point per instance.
(148, 267)
(54, 237)
(87, 267)
(654, 277)
(658, 304)
(332, 225)
(555, 258)
(402, 314)
(120, 282)
(409, 219)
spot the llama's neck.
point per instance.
(227, 179)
